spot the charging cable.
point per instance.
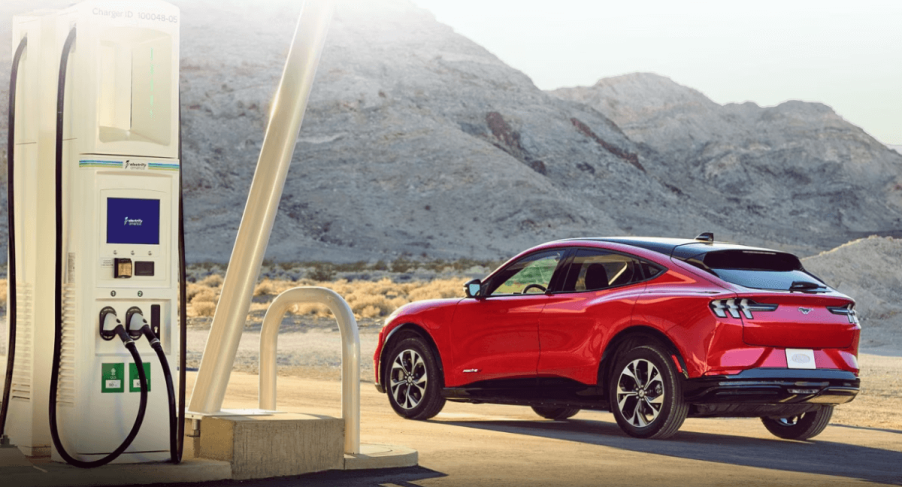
(138, 326)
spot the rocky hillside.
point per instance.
(869, 271)
(897, 148)
(419, 141)
(798, 165)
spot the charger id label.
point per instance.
(134, 383)
(112, 378)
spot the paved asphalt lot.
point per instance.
(507, 445)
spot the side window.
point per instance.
(529, 275)
(650, 270)
(593, 270)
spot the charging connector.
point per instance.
(108, 323)
(134, 321)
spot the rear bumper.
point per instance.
(380, 388)
(774, 386)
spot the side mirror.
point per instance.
(473, 288)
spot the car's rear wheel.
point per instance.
(800, 427)
(555, 413)
(646, 393)
(413, 380)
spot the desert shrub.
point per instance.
(322, 272)
(401, 264)
(203, 308)
(437, 289)
(265, 287)
(207, 295)
(213, 280)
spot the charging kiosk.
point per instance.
(96, 130)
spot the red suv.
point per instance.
(651, 329)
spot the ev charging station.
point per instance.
(96, 140)
(97, 263)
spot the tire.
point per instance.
(802, 427)
(413, 381)
(557, 414)
(647, 407)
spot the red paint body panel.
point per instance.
(495, 338)
(575, 327)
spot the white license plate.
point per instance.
(800, 358)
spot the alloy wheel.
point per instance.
(640, 393)
(408, 379)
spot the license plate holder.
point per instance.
(800, 358)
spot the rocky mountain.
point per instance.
(798, 165)
(867, 270)
(418, 141)
(897, 148)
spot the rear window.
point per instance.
(758, 269)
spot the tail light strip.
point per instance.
(721, 307)
(844, 310)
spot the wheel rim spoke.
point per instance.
(638, 418)
(629, 373)
(651, 407)
(623, 397)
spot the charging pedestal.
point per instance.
(120, 188)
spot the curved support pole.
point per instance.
(350, 354)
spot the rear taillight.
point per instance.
(721, 307)
(847, 311)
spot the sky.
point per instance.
(845, 54)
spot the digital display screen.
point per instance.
(132, 221)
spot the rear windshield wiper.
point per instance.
(805, 286)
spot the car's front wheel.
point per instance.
(800, 427)
(413, 380)
(554, 413)
(646, 394)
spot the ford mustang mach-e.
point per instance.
(652, 329)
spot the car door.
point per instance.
(595, 298)
(496, 336)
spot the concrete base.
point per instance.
(261, 445)
(272, 445)
(381, 456)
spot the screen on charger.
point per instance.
(132, 221)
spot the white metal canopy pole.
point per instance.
(262, 205)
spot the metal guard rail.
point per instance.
(350, 354)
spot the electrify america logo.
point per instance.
(133, 222)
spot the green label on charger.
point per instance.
(112, 378)
(134, 383)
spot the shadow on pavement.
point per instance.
(882, 430)
(816, 457)
(402, 477)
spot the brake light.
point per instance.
(721, 307)
(846, 311)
